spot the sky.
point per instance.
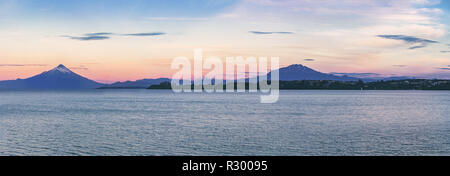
(118, 40)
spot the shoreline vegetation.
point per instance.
(408, 84)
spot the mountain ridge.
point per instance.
(61, 77)
(138, 84)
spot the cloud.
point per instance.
(419, 42)
(332, 3)
(408, 39)
(445, 51)
(309, 60)
(399, 65)
(444, 68)
(254, 73)
(146, 34)
(88, 38)
(90, 63)
(79, 68)
(417, 47)
(176, 19)
(23, 65)
(358, 75)
(99, 34)
(261, 32)
(106, 35)
(91, 36)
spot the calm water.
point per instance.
(144, 122)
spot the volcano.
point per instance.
(300, 72)
(58, 78)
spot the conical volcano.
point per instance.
(58, 78)
(301, 72)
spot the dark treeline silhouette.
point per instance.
(409, 84)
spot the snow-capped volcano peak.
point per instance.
(297, 67)
(61, 68)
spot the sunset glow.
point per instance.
(117, 40)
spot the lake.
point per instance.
(159, 122)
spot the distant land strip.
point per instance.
(409, 84)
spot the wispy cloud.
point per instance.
(445, 51)
(362, 75)
(263, 32)
(79, 68)
(419, 42)
(444, 68)
(23, 65)
(399, 65)
(309, 60)
(146, 34)
(417, 47)
(107, 35)
(90, 63)
(176, 19)
(88, 38)
(99, 34)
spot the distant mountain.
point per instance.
(371, 77)
(58, 78)
(393, 78)
(299, 72)
(139, 84)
